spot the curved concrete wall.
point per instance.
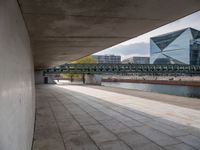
(17, 95)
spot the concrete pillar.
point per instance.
(40, 78)
(93, 79)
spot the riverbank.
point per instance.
(193, 103)
(165, 82)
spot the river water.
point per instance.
(187, 91)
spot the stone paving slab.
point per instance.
(48, 144)
(78, 141)
(169, 130)
(69, 125)
(181, 146)
(193, 103)
(157, 136)
(113, 145)
(115, 126)
(191, 140)
(138, 141)
(156, 109)
(85, 119)
(99, 115)
(100, 134)
(193, 131)
(68, 119)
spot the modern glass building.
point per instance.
(195, 52)
(179, 47)
(110, 59)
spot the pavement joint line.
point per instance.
(58, 127)
(138, 94)
(78, 123)
(113, 110)
(122, 122)
(106, 128)
(116, 134)
(123, 107)
(182, 143)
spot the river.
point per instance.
(187, 91)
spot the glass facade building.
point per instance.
(179, 47)
(109, 59)
(195, 52)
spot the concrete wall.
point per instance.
(17, 95)
(93, 79)
(39, 78)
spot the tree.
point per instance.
(85, 60)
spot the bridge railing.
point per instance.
(125, 68)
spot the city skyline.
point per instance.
(140, 46)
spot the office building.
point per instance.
(111, 59)
(179, 47)
(136, 60)
(195, 52)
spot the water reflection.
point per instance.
(187, 91)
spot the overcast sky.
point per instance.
(139, 46)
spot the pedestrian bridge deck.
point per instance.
(71, 117)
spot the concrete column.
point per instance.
(40, 78)
(93, 79)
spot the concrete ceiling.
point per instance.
(65, 30)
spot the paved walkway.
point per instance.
(83, 118)
(193, 103)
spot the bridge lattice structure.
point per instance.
(153, 69)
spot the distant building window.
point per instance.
(108, 59)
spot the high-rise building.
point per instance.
(136, 60)
(110, 59)
(179, 47)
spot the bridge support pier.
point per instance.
(93, 79)
(40, 78)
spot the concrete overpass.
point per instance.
(45, 33)
(65, 30)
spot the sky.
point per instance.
(140, 46)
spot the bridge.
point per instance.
(40, 34)
(125, 68)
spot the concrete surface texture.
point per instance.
(193, 103)
(82, 118)
(148, 77)
(65, 30)
(40, 78)
(93, 79)
(17, 94)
